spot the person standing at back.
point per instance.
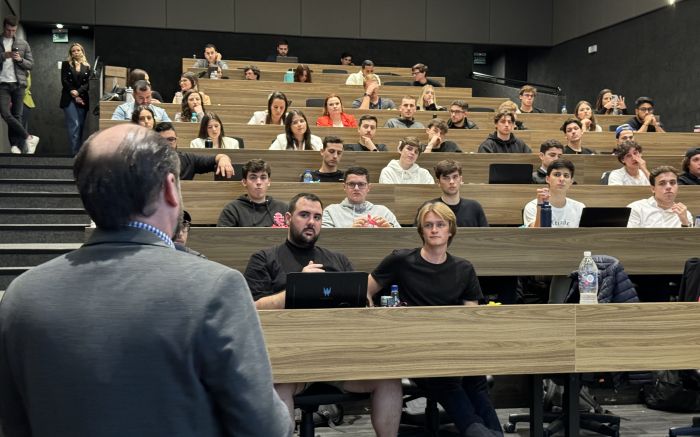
(75, 99)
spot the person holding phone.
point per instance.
(75, 79)
(17, 62)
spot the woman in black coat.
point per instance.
(75, 78)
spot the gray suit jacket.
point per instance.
(128, 337)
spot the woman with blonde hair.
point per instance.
(75, 79)
(428, 101)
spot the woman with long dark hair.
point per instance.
(297, 134)
(277, 106)
(212, 128)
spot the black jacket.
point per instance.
(614, 286)
(493, 144)
(74, 80)
(243, 212)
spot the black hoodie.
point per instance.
(243, 212)
(493, 144)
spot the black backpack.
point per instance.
(674, 390)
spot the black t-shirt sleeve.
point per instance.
(472, 289)
(481, 216)
(385, 273)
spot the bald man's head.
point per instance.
(120, 171)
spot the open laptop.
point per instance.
(326, 290)
(237, 174)
(290, 59)
(604, 217)
(510, 174)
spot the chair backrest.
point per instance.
(481, 109)
(334, 70)
(315, 103)
(241, 143)
(397, 83)
(604, 178)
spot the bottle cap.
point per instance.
(587, 253)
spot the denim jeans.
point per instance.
(465, 399)
(75, 120)
(11, 108)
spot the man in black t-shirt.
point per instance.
(266, 275)
(429, 275)
(644, 119)
(330, 158)
(436, 131)
(469, 212)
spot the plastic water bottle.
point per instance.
(588, 279)
(193, 119)
(208, 143)
(129, 95)
(213, 75)
(308, 178)
(563, 109)
(546, 215)
(288, 76)
(395, 296)
(697, 222)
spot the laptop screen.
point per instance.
(604, 217)
(510, 174)
(326, 290)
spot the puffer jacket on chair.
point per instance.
(614, 286)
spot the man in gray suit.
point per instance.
(127, 336)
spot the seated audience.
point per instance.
(574, 138)
(255, 208)
(355, 211)
(427, 100)
(189, 81)
(138, 74)
(181, 233)
(195, 163)
(437, 129)
(346, 59)
(661, 210)
(644, 119)
(511, 107)
(330, 158)
(459, 111)
(624, 132)
(427, 276)
(281, 49)
(586, 117)
(502, 140)
(550, 151)
(420, 76)
(212, 128)
(333, 114)
(297, 134)
(405, 170)
(277, 106)
(468, 212)
(142, 96)
(608, 103)
(266, 274)
(691, 167)
(143, 115)
(359, 78)
(370, 99)
(634, 168)
(212, 58)
(302, 73)
(367, 128)
(527, 96)
(251, 72)
(566, 213)
(192, 104)
(407, 110)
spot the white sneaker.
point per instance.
(32, 142)
(16, 150)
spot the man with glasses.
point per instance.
(459, 110)
(330, 158)
(182, 231)
(192, 163)
(644, 119)
(420, 76)
(527, 96)
(431, 276)
(255, 208)
(355, 211)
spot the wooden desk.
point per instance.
(260, 137)
(377, 343)
(317, 76)
(493, 251)
(240, 114)
(503, 204)
(284, 66)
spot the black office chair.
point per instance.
(316, 395)
(604, 178)
(241, 143)
(315, 103)
(481, 109)
(397, 83)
